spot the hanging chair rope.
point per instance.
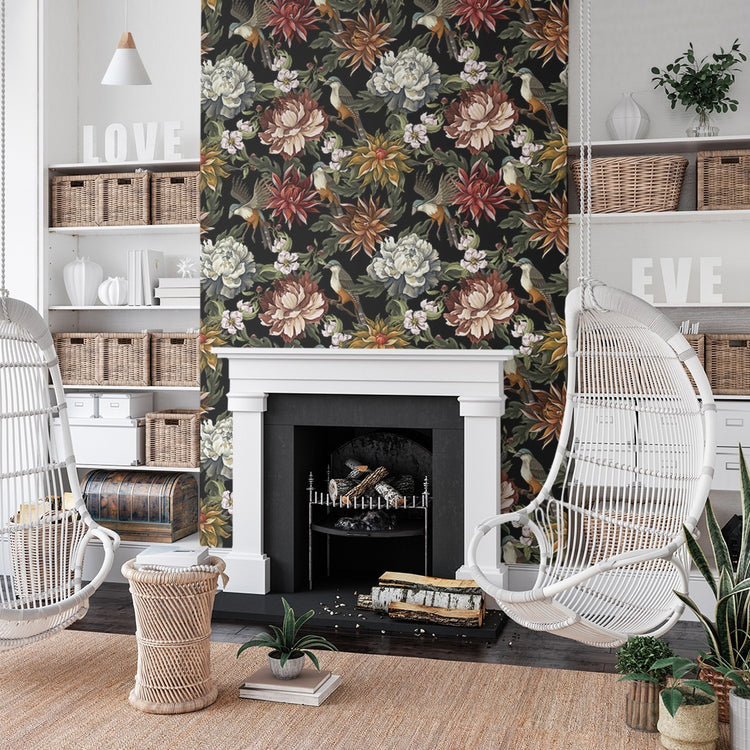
(3, 289)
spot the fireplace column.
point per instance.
(252, 570)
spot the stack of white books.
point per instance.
(311, 688)
(144, 267)
(179, 292)
(172, 556)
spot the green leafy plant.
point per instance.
(740, 680)
(727, 633)
(285, 642)
(636, 657)
(702, 85)
(684, 689)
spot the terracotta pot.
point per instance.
(691, 728)
(642, 705)
(739, 722)
(721, 686)
(290, 670)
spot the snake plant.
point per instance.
(286, 641)
(729, 632)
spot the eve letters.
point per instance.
(144, 137)
(673, 276)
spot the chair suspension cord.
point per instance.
(3, 290)
(584, 110)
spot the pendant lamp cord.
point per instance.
(584, 109)
(3, 290)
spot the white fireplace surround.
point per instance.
(474, 377)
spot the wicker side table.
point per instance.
(173, 630)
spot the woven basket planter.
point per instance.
(175, 359)
(79, 357)
(728, 363)
(723, 180)
(123, 199)
(175, 197)
(124, 358)
(73, 200)
(632, 184)
(173, 438)
(721, 685)
(173, 630)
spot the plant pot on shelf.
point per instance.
(642, 706)
(691, 728)
(291, 668)
(739, 722)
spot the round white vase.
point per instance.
(627, 121)
(82, 278)
(739, 722)
(113, 291)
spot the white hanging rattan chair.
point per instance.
(633, 465)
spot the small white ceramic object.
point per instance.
(113, 291)
(628, 121)
(82, 278)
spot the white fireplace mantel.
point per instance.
(474, 377)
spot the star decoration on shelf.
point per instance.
(187, 267)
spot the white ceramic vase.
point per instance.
(627, 121)
(290, 670)
(739, 722)
(113, 291)
(82, 278)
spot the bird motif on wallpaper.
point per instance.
(249, 207)
(533, 91)
(326, 10)
(435, 203)
(250, 26)
(532, 472)
(325, 186)
(524, 9)
(343, 286)
(514, 376)
(342, 101)
(535, 286)
(434, 17)
(512, 180)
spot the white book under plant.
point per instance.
(172, 556)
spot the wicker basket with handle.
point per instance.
(79, 358)
(73, 199)
(173, 438)
(175, 197)
(175, 359)
(723, 180)
(123, 199)
(631, 184)
(124, 358)
(728, 363)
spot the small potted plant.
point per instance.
(688, 710)
(634, 660)
(739, 707)
(701, 85)
(288, 649)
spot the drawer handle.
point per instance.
(76, 183)
(77, 342)
(732, 467)
(178, 342)
(734, 422)
(730, 159)
(177, 180)
(738, 343)
(171, 422)
(124, 181)
(605, 420)
(125, 342)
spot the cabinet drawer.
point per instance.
(600, 425)
(727, 470)
(733, 424)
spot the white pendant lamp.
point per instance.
(126, 67)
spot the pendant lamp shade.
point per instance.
(126, 67)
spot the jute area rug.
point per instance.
(71, 692)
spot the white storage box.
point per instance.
(104, 442)
(82, 405)
(125, 405)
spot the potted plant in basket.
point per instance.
(701, 85)
(727, 632)
(739, 708)
(288, 649)
(688, 711)
(634, 661)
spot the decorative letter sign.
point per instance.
(145, 136)
(676, 277)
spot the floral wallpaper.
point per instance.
(380, 175)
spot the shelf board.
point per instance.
(124, 388)
(725, 397)
(663, 216)
(683, 145)
(700, 305)
(137, 468)
(118, 308)
(104, 167)
(129, 230)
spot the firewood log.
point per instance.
(403, 484)
(436, 615)
(339, 487)
(413, 580)
(367, 482)
(384, 596)
(364, 601)
(393, 498)
(358, 469)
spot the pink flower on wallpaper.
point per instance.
(478, 116)
(479, 304)
(292, 18)
(480, 193)
(291, 123)
(292, 304)
(292, 197)
(480, 13)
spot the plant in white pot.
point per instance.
(288, 648)
(688, 710)
(739, 707)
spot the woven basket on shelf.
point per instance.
(698, 342)
(124, 358)
(79, 357)
(174, 197)
(175, 359)
(631, 184)
(728, 363)
(723, 180)
(173, 438)
(123, 199)
(73, 199)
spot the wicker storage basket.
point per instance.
(175, 359)
(79, 357)
(123, 199)
(174, 197)
(698, 342)
(124, 358)
(723, 180)
(173, 438)
(629, 184)
(728, 363)
(73, 200)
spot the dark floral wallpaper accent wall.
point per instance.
(386, 174)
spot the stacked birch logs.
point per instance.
(440, 601)
(362, 479)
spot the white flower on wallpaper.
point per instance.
(227, 87)
(216, 447)
(406, 81)
(407, 267)
(227, 268)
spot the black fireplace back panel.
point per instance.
(295, 443)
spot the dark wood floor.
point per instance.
(111, 611)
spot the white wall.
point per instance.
(629, 37)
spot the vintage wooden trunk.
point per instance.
(143, 506)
